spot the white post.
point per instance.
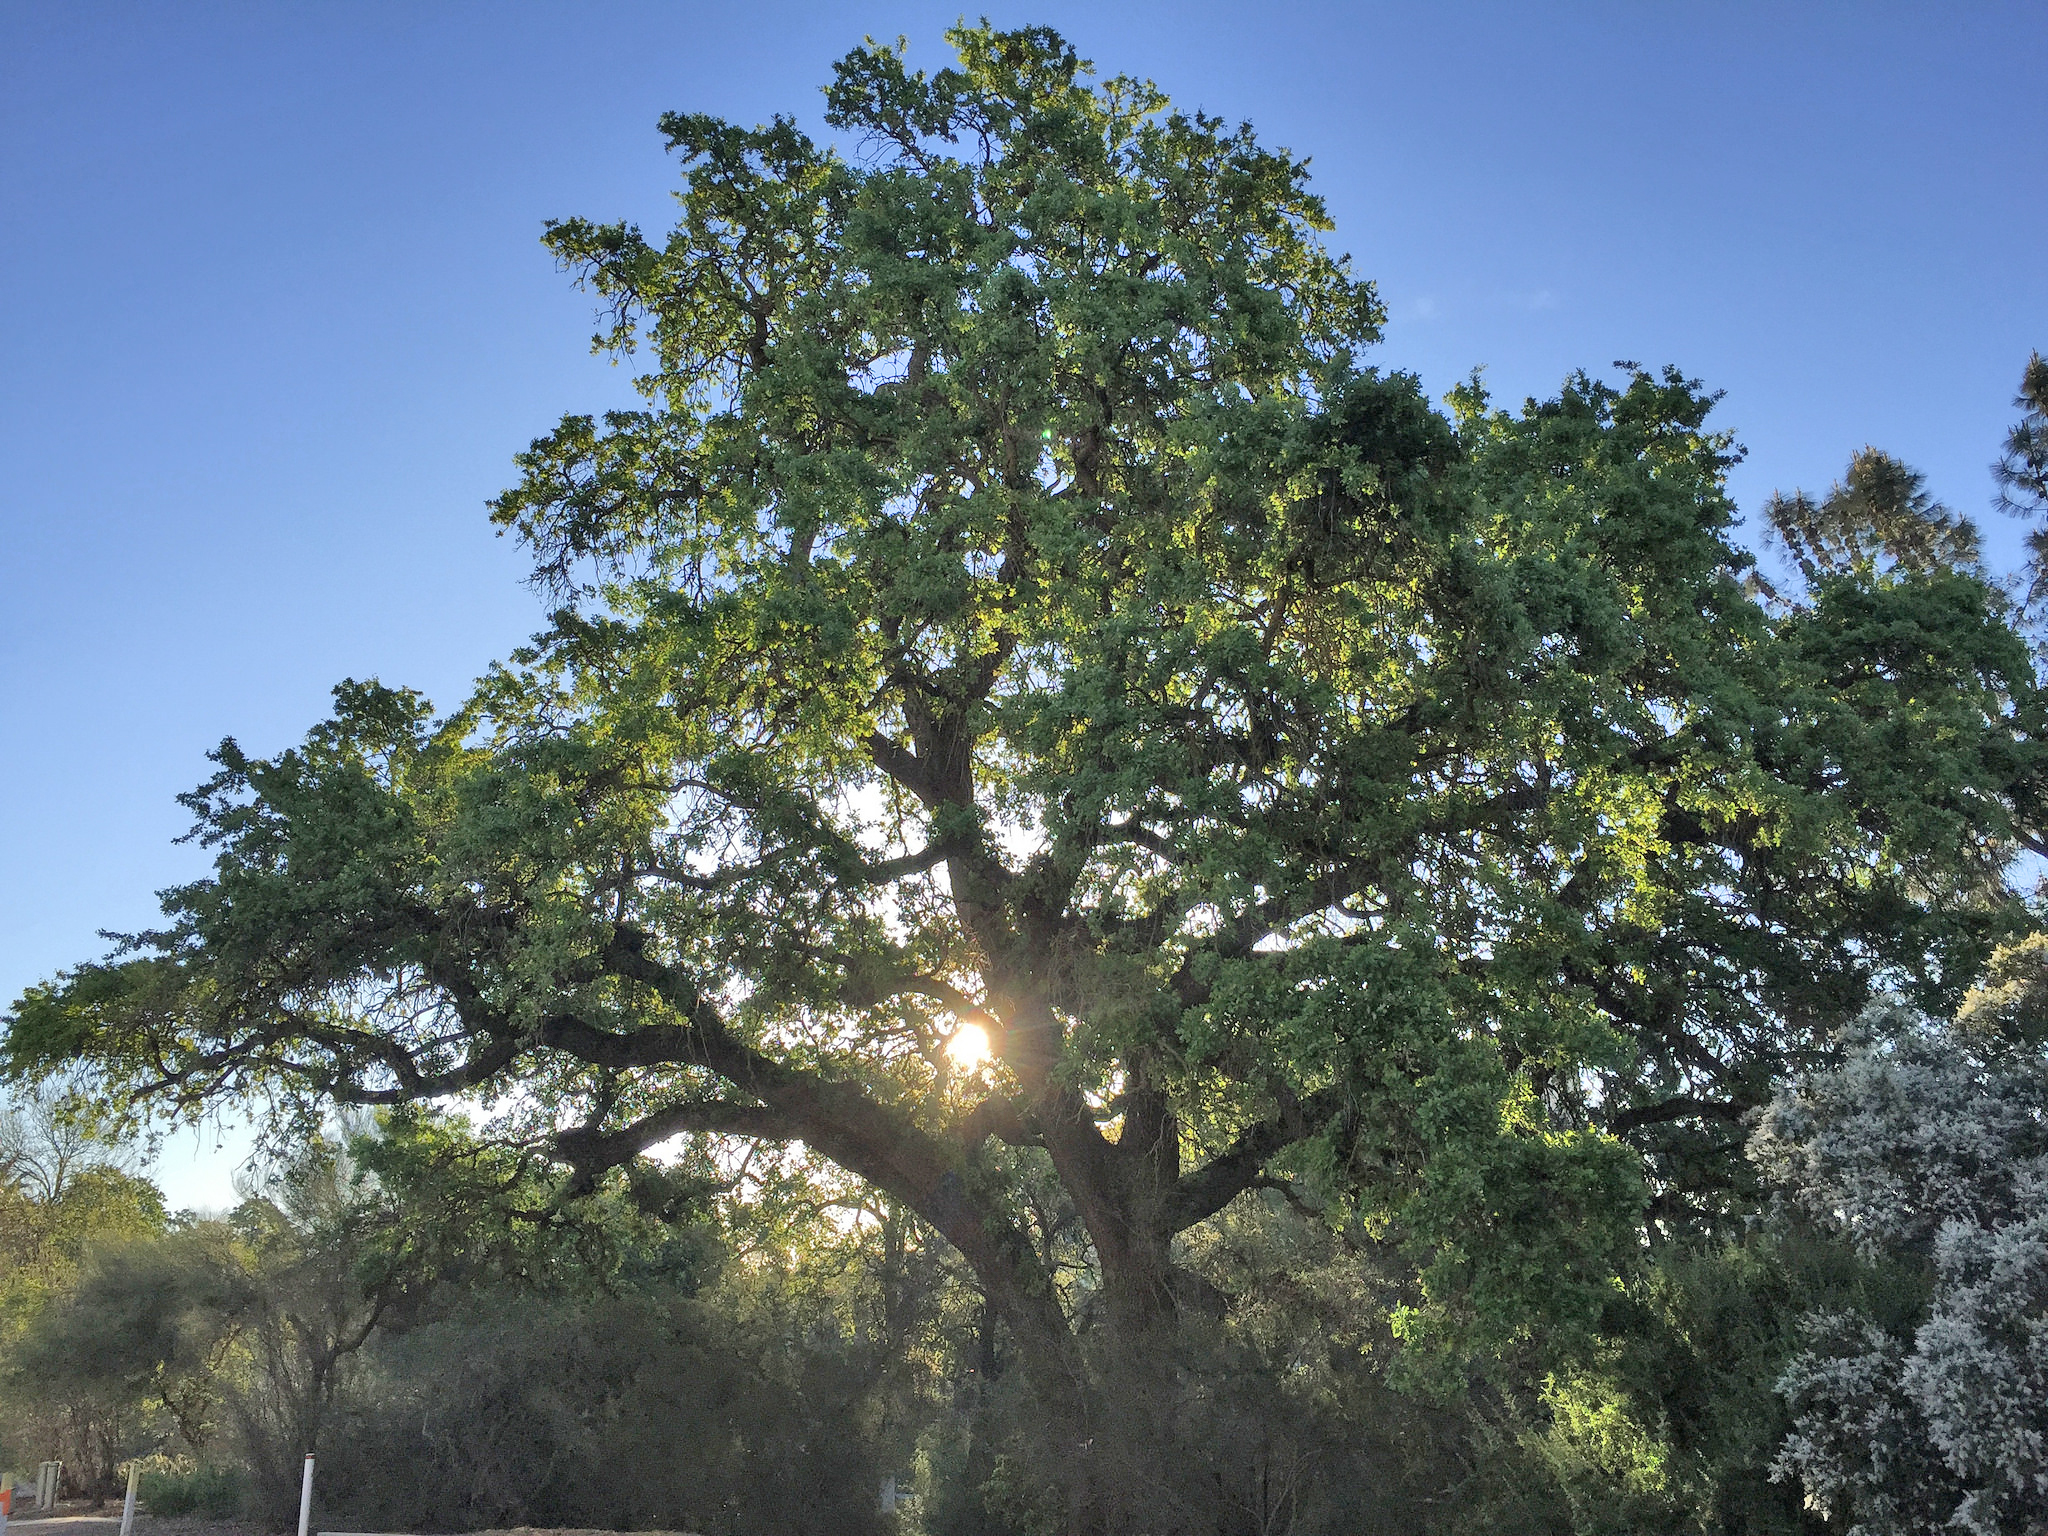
(306, 1497)
(6, 1499)
(128, 1509)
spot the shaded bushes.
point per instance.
(1250, 1451)
(619, 1412)
(1276, 1419)
(213, 1491)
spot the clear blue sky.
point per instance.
(275, 316)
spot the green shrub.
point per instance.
(216, 1491)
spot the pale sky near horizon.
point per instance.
(276, 319)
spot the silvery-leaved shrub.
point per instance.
(1927, 1146)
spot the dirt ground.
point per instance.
(78, 1519)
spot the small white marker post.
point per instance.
(305, 1497)
(128, 1509)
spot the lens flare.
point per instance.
(968, 1046)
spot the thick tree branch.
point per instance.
(1204, 1191)
(995, 1116)
(874, 1141)
(1628, 1120)
(592, 1152)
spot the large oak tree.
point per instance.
(1020, 604)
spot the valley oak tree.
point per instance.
(1020, 604)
